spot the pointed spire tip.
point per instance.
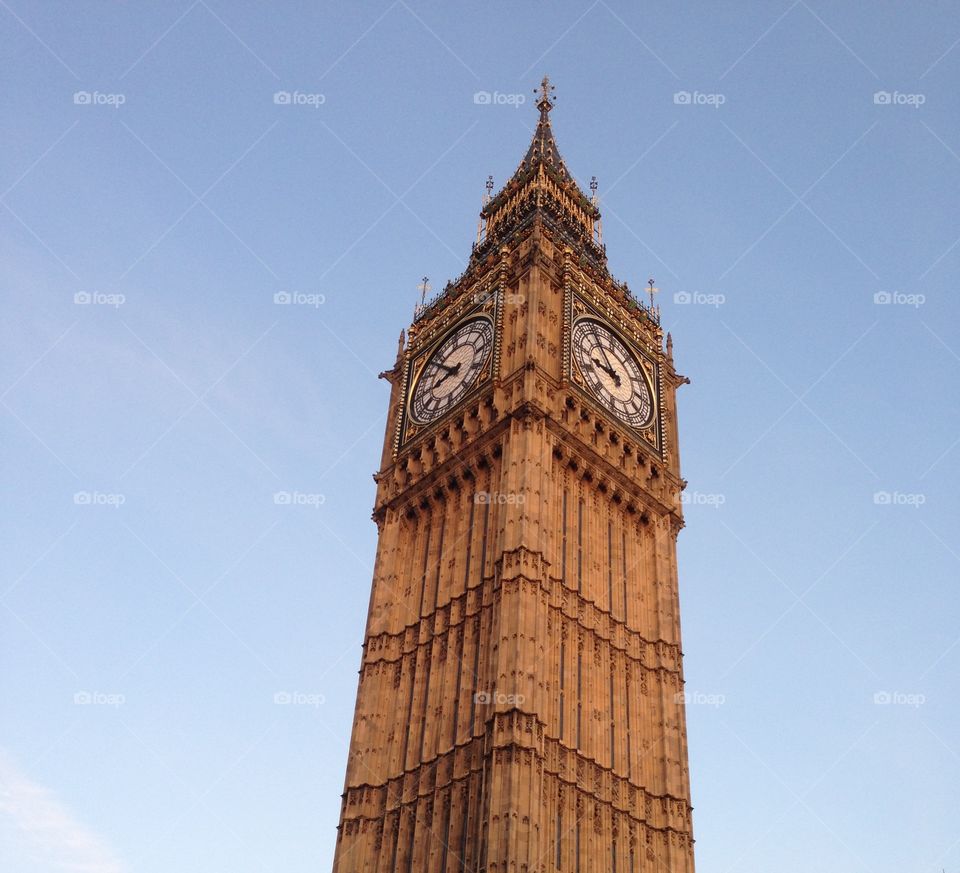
(545, 101)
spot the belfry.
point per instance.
(520, 704)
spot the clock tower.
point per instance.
(520, 705)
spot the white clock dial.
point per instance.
(612, 371)
(451, 371)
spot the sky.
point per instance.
(215, 216)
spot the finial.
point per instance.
(481, 224)
(669, 346)
(401, 343)
(651, 291)
(424, 289)
(593, 188)
(545, 101)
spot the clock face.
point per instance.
(451, 371)
(612, 372)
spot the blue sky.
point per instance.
(178, 651)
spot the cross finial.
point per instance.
(593, 187)
(424, 289)
(652, 291)
(544, 100)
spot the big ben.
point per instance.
(520, 704)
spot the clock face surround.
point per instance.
(451, 370)
(612, 372)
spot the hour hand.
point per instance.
(609, 371)
(449, 371)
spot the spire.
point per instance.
(543, 147)
(541, 182)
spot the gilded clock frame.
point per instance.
(579, 309)
(420, 352)
(423, 362)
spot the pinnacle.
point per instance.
(543, 147)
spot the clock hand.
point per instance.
(603, 351)
(609, 371)
(451, 371)
(434, 370)
(602, 366)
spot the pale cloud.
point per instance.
(35, 825)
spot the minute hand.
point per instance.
(451, 371)
(603, 352)
(609, 371)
